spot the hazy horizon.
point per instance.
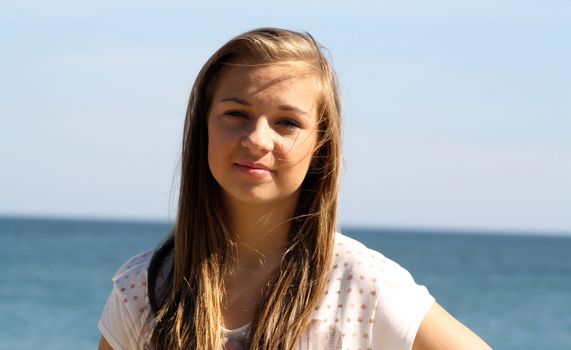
(343, 227)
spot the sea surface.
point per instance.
(513, 290)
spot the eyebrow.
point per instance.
(235, 99)
(287, 108)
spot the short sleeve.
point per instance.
(116, 325)
(126, 312)
(400, 309)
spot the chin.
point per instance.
(260, 199)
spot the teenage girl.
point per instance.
(255, 261)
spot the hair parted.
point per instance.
(187, 307)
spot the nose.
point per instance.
(258, 136)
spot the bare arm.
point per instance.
(103, 344)
(439, 330)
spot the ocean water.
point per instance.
(513, 290)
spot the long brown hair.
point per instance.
(187, 307)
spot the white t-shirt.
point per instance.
(370, 303)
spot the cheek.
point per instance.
(300, 146)
(222, 145)
(300, 155)
(214, 149)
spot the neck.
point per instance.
(261, 232)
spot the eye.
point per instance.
(236, 114)
(290, 124)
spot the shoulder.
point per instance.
(359, 279)
(353, 257)
(130, 280)
(127, 311)
(130, 287)
(133, 266)
(370, 300)
(391, 281)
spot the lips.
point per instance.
(254, 165)
(253, 169)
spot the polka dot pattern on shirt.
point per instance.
(370, 302)
(351, 298)
(131, 283)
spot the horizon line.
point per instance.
(363, 227)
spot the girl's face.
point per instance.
(262, 132)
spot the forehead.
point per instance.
(283, 82)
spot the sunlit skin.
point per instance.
(262, 133)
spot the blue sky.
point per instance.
(456, 114)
